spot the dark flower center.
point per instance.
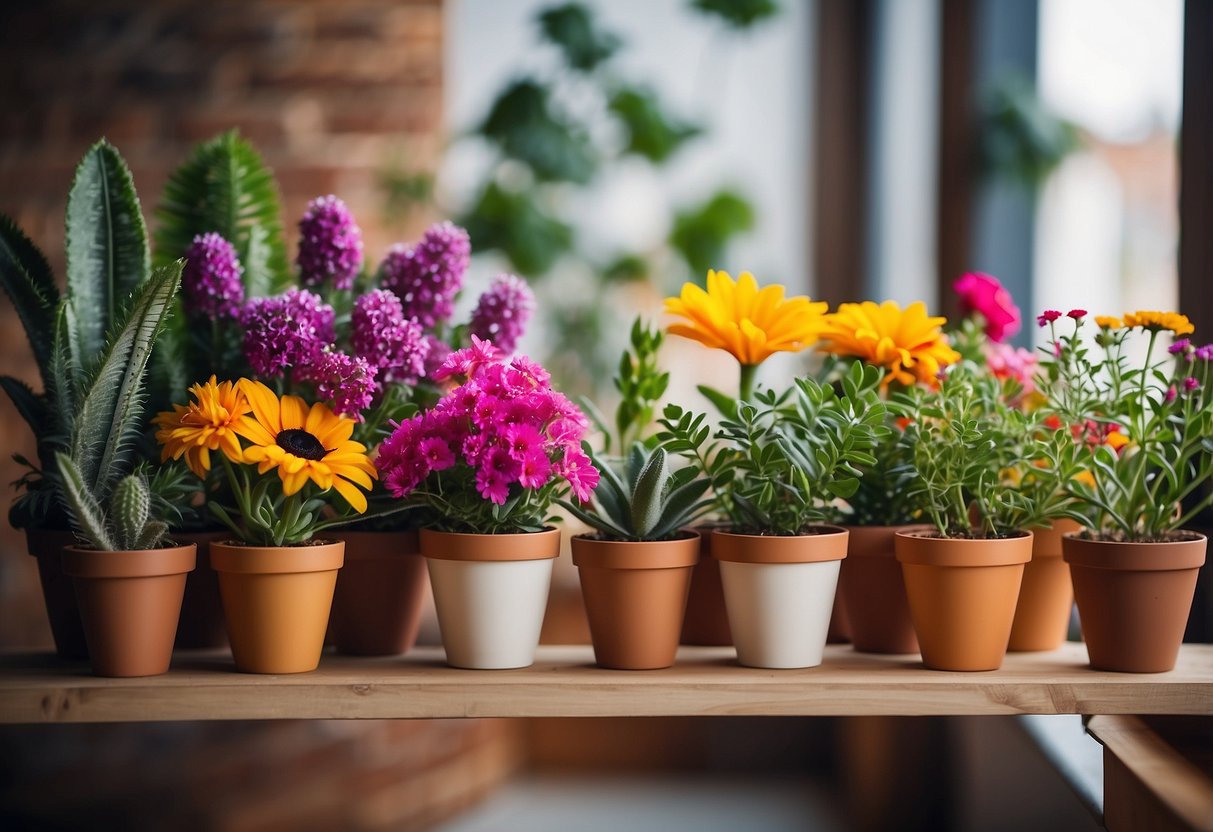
(301, 443)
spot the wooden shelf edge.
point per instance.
(564, 682)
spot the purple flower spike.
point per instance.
(502, 312)
(427, 277)
(386, 340)
(330, 244)
(1180, 346)
(345, 380)
(211, 278)
(1205, 353)
(287, 330)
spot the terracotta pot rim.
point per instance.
(397, 545)
(917, 548)
(272, 560)
(875, 542)
(86, 562)
(1127, 556)
(831, 544)
(521, 546)
(678, 553)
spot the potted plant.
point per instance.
(1144, 427)
(974, 452)
(751, 323)
(275, 578)
(778, 465)
(909, 347)
(482, 468)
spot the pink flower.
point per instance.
(1191, 384)
(581, 474)
(467, 361)
(1018, 363)
(536, 471)
(983, 294)
(1047, 317)
(1170, 395)
(1077, 314)
(497, 470)
(436, 453)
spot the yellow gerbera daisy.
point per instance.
(740, 318)
(1108, 322)
(304, 444)
(206, 424)
(908, 343)
(1150, 319)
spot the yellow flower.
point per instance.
(1108, 322)
(1149, 319)
(908, 344)
(206, 424)
(740, 318)
(304, 443)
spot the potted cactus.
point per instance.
(635, 569)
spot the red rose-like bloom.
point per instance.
(983, 294)
(1077, 314)
(1047, 317)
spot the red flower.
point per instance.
(1047, 317)
(983, 294)
(1077, 314)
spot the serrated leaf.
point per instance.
(82, 506)
(26, 278)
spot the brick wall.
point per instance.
(331, 93)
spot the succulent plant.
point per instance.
(124, 523)
(648, 502)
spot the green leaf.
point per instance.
(514, 223)
(27, 280)
(82, 506)
(28, 403)
(524, 124)
(225, 187)
(107, 253)
(111, 408)
(725, 405)
(738, 14)
(63, 381)
(651, 132)
(646, 498)
(702, 232)
(572, 28)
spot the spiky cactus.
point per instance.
(648, 502)
(124, 523)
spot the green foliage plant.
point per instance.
(984, 468)
(780, 464)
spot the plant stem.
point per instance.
(749, 374)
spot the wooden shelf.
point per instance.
(707, 681)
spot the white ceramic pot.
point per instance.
(779, 593)
(490, 593)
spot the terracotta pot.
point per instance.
(62, 611)
(1134, 598)
(201, 625)
(276, 601)
(129, 603)
(380, 593)
(490, 593)
(706, 622)
(962, 596)
(779, 592)
(839, 631)
(1046, 595)
(635, 596)
(874, 591)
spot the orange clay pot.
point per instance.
(1134, 598)
(635, 596)
(201, 624)
(706, 621)
(1046, 595)
(962, 595)
(129, 604)
(62, 611)
(276, 601)
(874, 592)
(380, 593)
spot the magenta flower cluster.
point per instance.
(284, 331)
(427, 277)
(985, 295)
(211, 278)
(347, 381)
(330, 244)
(380, 334)
(505, 425)
(502, 312)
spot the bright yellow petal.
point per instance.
(352, 495)
(264, 404)
(294, 413)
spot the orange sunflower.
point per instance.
(304, 443)
(206, 424)
(908, 344)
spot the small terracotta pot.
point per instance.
(706, 621)
(276, 601)
(1134, 598)
(1046, 595)
(490, 593)
(129, 603)
(201, 625)
(874, 591)
(62, 611)
(380, 593)
(839, 631)
(962, 596)
(635, 596)
(780, 593)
